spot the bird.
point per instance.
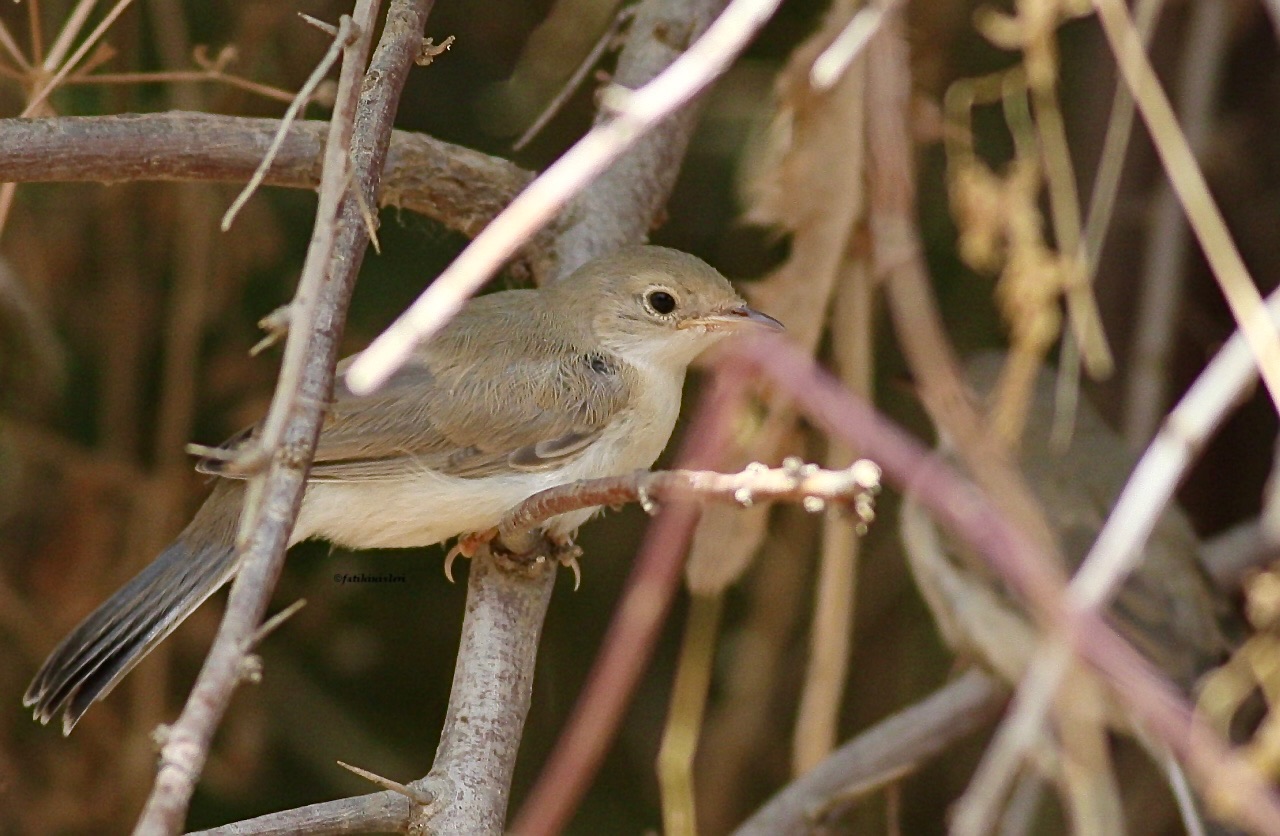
(1168, 608)
(524, 390)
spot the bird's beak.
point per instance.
(734, 319)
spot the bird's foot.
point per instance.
(467, 546)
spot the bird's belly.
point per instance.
(425, 508)
(419, 510)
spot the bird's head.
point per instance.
(658, 305)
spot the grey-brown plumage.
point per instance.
(524, 390)
(1168, 608)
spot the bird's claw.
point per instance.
(467, 546)
(566, 553)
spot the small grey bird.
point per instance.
(524, 390)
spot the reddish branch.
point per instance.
(850, 489)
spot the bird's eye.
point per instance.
(661, 302)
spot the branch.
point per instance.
(884, 753)
(456, 186)
(359, 136)
(851, 489)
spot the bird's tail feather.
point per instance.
(106, 645)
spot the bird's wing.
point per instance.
(468, 405)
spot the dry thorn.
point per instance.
(327, 28)
(273, 623)
(423, 798)
(276, 324)
(369, 217)
(430, 51)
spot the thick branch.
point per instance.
(458, 187)
(470, 780)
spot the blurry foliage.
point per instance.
(363, 672)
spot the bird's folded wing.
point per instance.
(491, 414)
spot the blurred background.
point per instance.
(125, 324)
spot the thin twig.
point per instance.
(1164, 257)
(281, 488)
(607, 39)
(37, 98)
(688, 75)
(67, 34)
(340, 42)
(850, 489)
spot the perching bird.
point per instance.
(1168, 607)
(523, 390)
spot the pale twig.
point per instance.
(685, 714)
(1106, 183)
(37, 33)
(848, 45)
(340, 42)
(597, 51)
(210, 75)
(11, 47)
(66, 36)
(38, 98)
(1164, 257)
(1188, 183)
(639, 111)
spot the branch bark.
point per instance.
(456, 186)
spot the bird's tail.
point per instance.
(104, 647)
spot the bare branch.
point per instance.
(460, 188)
(851, 489)
(888, 750)
(377, 812)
